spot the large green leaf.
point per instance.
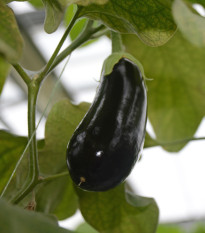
(189, 23)
(116, 211)
(11, 148)
(151, 21)
(177, 87)
(58, 196)
(15, 220)
(4, 70)
(11, 43)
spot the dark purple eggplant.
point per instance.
(107, 143)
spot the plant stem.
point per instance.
(22, 73)
(55, 53)
(33, 90)
(83, 37)
(117, 45)
(104, 32)
(33, 174)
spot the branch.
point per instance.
(22, 73)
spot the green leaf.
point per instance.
(15, 220)
(11, 43)
(116, 211)
(151, 21)
(190, 24)
(177, 87)
(58, 196)
(11, 148)
(4, 70)
(68, 204)
(78, 28)
(60, 125)
(54, 14)
(85, 228)
(169, 229)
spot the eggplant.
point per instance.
(106, 145)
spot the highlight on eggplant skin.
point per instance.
(105, 146)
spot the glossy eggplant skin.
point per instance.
(106, 144)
